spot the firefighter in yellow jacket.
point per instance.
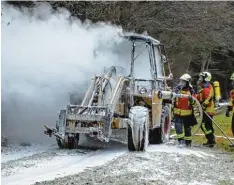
(231, 103)
(206, 98)
(183, 111)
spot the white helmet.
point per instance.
(206, 76)
(186, 77)
(232, 77)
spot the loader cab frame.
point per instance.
(153, 46)
(157, 60)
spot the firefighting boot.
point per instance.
(180, 143)
(210, 141)
(188, 143)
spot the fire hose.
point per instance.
(167, 95)
(232, 144)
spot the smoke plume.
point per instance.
(46, 56)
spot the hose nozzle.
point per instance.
(168, 95)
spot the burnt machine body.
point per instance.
(122, 108)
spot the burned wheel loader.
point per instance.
(119, 107)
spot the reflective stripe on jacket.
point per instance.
(182, 106)
(205, 96)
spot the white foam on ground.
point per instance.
(18, 152)
(42, 169)
(175, 149)
(58, 166)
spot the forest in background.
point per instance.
(197, 35)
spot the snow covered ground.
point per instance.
(160, 164)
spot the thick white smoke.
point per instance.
(45, 57)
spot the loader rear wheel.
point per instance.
(155, 135)
(160, 134)
(165, 130)
(138, 129)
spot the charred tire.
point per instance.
(72, 142)
(77, 138)
(143, 141)
(165, 130)
(138, 129)
(131, 146)
(155, 135)
(161, 134)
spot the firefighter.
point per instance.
(183, 111)
(231, 103)
(206, 98)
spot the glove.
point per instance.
(190, 99)
(177, 88)
(229, 108)
(204, 106)
(227, 114)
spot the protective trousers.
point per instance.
(207, 128)
(182, 123)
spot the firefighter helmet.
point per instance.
(185, 80)
(206, 76)
(186, 77)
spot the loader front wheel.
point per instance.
(138, 128)
(131, 146)
(144, 140)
